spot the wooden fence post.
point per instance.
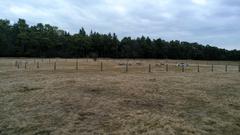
(55, 66)
(166, 67)
(149, 68)
(238, 68)
(37, 64)
(212, 67)
(198, 68)
(18, 66)
(182, 68)
(126, 70)
(226, 68)
(77, 64)
(25, 65)
(101, 66)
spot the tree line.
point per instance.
(43, 40)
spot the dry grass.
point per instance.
(87, 101)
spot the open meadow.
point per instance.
(119, 97)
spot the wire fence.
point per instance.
(120, 65)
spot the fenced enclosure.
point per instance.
(119, 93)
(118, 65)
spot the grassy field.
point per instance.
(42, 101)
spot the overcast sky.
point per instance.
(214, 22)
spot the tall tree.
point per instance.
(44, 40)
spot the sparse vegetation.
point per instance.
(87, 101)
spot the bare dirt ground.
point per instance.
(87, 101)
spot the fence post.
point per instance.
(126, 70)
(198, 68)
(25, 65)
(37, 64)
(238, 68)
(101, 66)
(226, 68)
(182, 68)
(55, 66)
(167, 67)
(77, 64)
(18, 66)
(149, 68)
(212, 67)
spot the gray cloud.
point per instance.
(212, 22)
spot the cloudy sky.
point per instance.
(214, 22)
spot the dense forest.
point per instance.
(44, 40)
